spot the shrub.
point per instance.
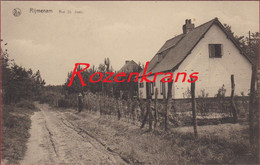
(50, 98)
(26, 104)
(63, 103)
(202, 103)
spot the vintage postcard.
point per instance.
(129, 82)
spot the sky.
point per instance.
(54, 42)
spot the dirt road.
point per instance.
(55, 140)
(60, 136)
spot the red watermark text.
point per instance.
(122, 76)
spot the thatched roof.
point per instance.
(130, 66)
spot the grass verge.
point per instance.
(15, 125)
(217, 144)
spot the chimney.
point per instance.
(188, 26)
(127, 61)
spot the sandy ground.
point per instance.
(54, 140)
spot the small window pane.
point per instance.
(218, 50)
(215, 50)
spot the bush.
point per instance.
(50, 98)
(63, 103)
(26, 104)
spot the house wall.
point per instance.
(142, 91)
(213, 72)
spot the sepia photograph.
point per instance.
(129, 82)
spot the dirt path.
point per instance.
(54, 140)
(59, 136)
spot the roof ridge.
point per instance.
(216, 18)
(213, 20)
(184, 44)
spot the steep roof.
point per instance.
(175, 50)
(130, 66)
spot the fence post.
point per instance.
(119, 106)
(133, 112)
(150, 114)
(194, 108)
(251, 105)
(128, 103)
(142, 108)
(149, 97)
(148, 107)
(165, 106)
(100, 105)
(234, 110)
(155, 108)
(168, 107)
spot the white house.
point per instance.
(208, 49)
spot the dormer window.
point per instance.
(215, 50)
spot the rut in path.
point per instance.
(56, 140)
(85, 134)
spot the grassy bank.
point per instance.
(217, 144)
(15, 125)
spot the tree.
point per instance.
(17, 82)
(249, 46)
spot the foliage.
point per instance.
(249, 46)
(17, 82)
(187, 93)
(26, 105)
(221, 92)
(108, 89)
(203, 104)
(15, 125)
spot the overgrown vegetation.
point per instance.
(20, 87)
(15, 123)
(216, 144)
(17, 82)
(110, 89)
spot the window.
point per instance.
(149, 89)
(141, 85)
(215, 50)
(162, 88)
(152, 88)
